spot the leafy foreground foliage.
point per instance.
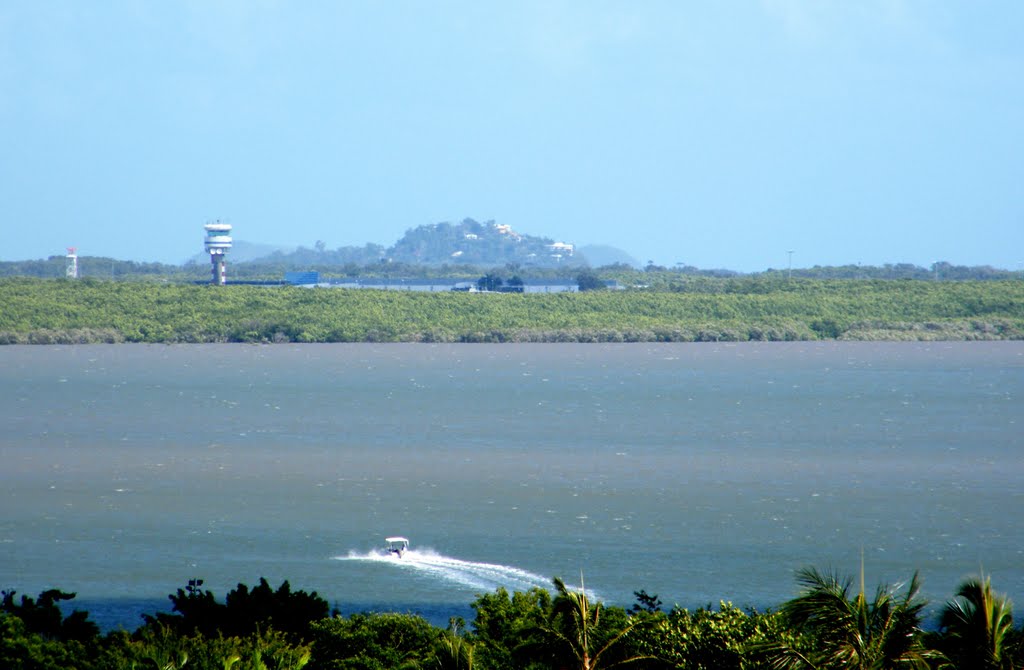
(854, 633)
(244, 611)
(825, 627)
(978, 627)
(89, 310)
(575, 635)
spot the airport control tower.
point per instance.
(218, 242)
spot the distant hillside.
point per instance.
(470, 242)
(487, 243)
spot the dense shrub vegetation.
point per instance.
(827, 626)
(702, 309)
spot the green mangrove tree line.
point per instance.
(708, 309)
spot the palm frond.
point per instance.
(853, 631)
(979, 624)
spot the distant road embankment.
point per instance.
(41, 311)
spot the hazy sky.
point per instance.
(718, 134)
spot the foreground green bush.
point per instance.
(827, 627)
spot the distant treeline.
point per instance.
(691, 309)
(336, 265)
(830, 625)
(95, 266)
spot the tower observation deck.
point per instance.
(218, 243)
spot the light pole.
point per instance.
(789, 272)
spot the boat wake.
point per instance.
(478, 576)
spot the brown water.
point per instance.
(695, 471)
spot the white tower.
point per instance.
(218, 242)
(71, 268)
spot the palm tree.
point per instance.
(978, 626)
(576, 633)
(852, 633)
(452, 651)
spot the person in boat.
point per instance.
(397, 545)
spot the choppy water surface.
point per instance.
(695, 471)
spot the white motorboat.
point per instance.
(396, 545)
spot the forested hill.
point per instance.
(469, 243)
(487, 243)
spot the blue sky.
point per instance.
(717, 134)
